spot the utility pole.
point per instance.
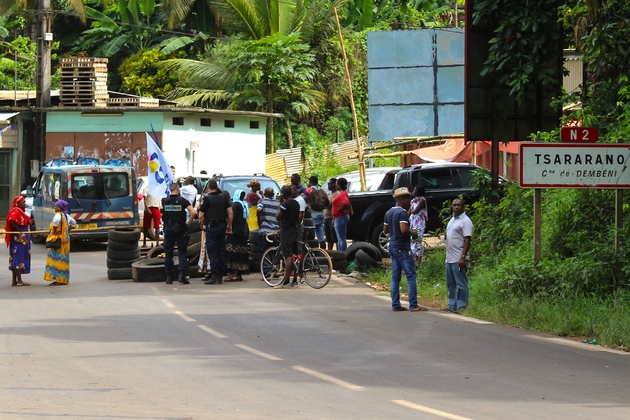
(44, 43)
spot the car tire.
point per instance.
(368, 248)
(124, 235)
(193, 250)
(123, 255)
(194, 227)
(150, 270)
(380, 240)
(121, 263)
(121, 246)
(340, 265)
(119, 273)
(364, 259)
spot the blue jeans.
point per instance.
(403, 260)
(174, 235)
(341, 228)
(457, 284)
(318, 222)
(215, 247)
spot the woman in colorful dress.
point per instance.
(418, 216)
(252, 199)
(58, 259)
(236, 248)
(19, 244)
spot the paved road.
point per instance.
(100, 349)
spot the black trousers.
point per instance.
(175, 235)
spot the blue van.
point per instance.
(98, 196)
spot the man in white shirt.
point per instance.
(458, 236)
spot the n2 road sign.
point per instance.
(579, 135)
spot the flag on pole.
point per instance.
(160, 175)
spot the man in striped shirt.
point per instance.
(267, 223)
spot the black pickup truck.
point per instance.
(442, 182)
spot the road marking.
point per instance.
(457, 317)
(327, 378)
(212, 332)
(429, 410)
(184, 316)
(257, 352)
(167, 303)
(577, 344)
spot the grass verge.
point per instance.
(605, 321)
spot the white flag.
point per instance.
(160, 175)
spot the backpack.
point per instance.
(318, 199)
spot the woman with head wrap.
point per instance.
(58, 259)
(19, 244)
(252, 199)
(236, 248)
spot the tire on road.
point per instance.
(119, 273)
(123, 255)
(364, 260)
(122, 246)
(336, 255)
(368, 248)
(124, 235)
(150, 270)
(195, 238)
(121, 263)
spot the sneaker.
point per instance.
(399, 308)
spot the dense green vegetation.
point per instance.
(284, 56)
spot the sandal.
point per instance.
(56, 283)
(22, 284)
(418, 309)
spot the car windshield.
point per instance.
(233, 184)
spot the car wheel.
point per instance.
(364, 259)
(150, 270)
(122, 246)
(123, 255)
(380, 240)
(121, 263)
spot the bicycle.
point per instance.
(313, 266)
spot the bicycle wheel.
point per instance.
(317, 268)
(272, 266)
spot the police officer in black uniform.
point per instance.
(174, 218)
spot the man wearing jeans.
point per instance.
(400, 234)
(458, 236)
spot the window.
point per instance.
(116, 184)
(466, 178)
(437, 179)
(206, 122)
(254, 125)
(229, 123)
(51, 187)
(178, 120)
(84, 187)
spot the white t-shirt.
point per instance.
(302, 202)
(57, 219)
(189, 192)
(457, 230)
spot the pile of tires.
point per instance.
(122, 252)
(151, 269)
(364, 255)
(338, 259)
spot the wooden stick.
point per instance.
(73, 230)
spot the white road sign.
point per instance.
(563, 165)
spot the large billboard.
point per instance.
(415, 83)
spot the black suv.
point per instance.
(442, 182)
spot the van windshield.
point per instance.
(100, 186)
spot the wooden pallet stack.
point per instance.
(83, 82)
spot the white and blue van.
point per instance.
(98, 196)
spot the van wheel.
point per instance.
(380, 240)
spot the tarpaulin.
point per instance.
(458, 150)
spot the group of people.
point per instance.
(405, 223)
(18, 241)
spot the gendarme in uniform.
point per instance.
(174, 218)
